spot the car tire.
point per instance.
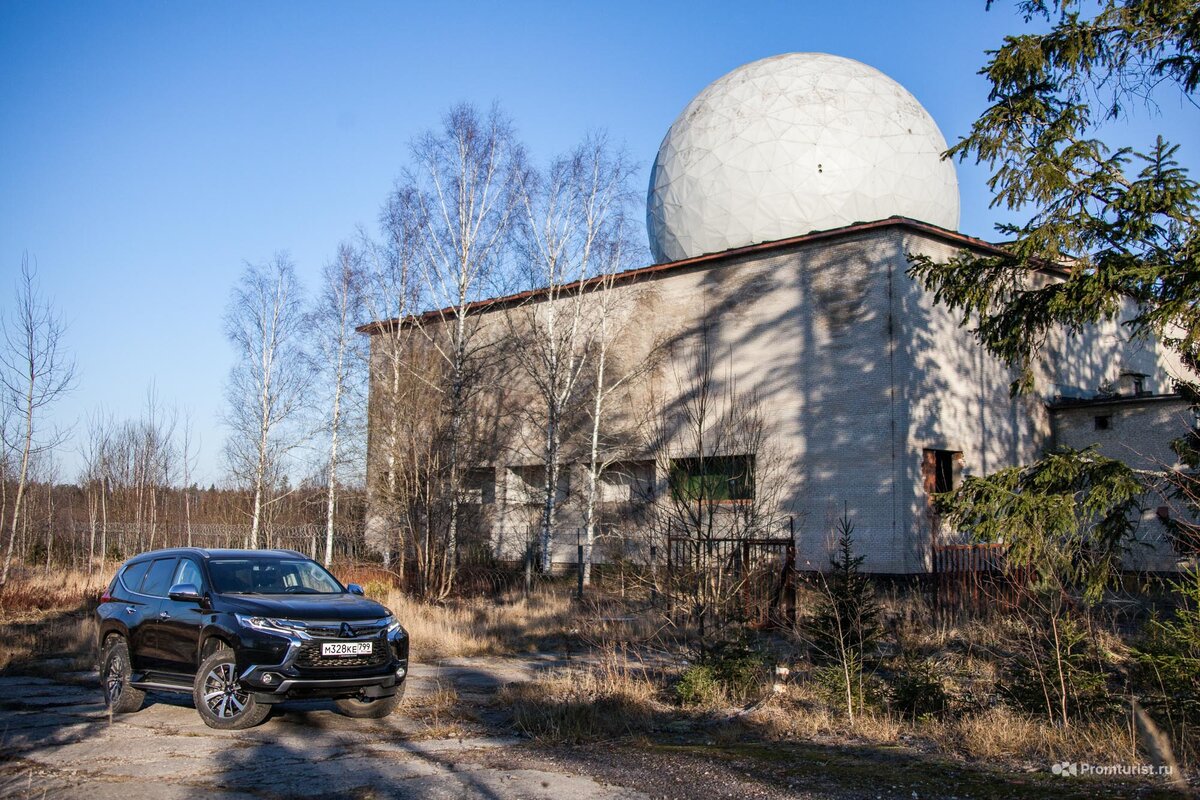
(222, 702)
(115, 673)
(376, 708)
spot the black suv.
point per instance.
(243, 629)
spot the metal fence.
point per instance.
(759, 576)
(977, 576)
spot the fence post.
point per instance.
(653, 575)
(743, 568)
(528, 567)
(579, 571)
(790, 571)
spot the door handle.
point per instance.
(164, 615)
(130, 609)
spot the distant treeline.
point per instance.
(81, 526)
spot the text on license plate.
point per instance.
(346, 648)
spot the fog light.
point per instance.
(400, 673)
(268, 678)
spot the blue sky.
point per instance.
(148, 150)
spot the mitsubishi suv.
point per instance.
(241, 630)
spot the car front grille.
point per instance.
(310, 656)
(335, 630)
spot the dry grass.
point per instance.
(32, 592)
(441, 713)
(800, 712)
(612, 700)
(27, 643)
(546, 620)
(606, 701)
(49, 617)
(479, 627)
(1000, 734)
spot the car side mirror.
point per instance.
(354, 588)
(186, 593)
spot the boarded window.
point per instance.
(627, 482)
(526, 485)
(479, 486)
(715, 479)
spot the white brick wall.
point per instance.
(859, 372)
(1140, 433)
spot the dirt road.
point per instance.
(58, 741)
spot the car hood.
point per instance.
(340, 607)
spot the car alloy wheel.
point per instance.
(114, 678)
(223, 694)
(120, 695)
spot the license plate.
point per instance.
(346, 648)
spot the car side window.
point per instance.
(158, 579)
(188, 572)
(132, 576)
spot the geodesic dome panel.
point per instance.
(792, 144)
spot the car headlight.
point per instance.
(268, 624)
(393, 625)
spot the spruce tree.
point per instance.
(845, 628)
(1117, 226)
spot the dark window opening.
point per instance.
(939, 472)
(943, 471)
(527, 485)
(479, 486)
(1104, 422)
(716, 479)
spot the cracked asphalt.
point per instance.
(58, 741)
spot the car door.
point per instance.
(154, 591)
(179, 622)
(136, 612)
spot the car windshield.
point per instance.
(252, 575)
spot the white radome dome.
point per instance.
(791, 144)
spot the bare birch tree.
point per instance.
(35, 372)
(48, 470)
(610, 376)
(95, 480)
(156, 455)
(337, 359)
(392, 292)
(266, 386)
(571, 229)
(467, 176)
(188, 455)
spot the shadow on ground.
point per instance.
(452, 739)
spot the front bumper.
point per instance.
(274, 682)
(372, 687)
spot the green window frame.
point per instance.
(713, 479)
